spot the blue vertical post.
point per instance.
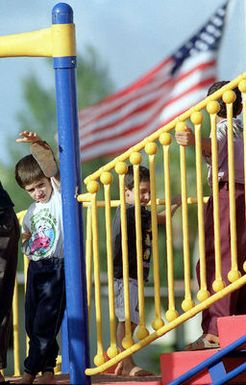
(68, 139)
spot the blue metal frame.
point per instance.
(68, 139)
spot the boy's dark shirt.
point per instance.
(131, 233)
(5, 201)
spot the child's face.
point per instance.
(144, 189)
(40, 191)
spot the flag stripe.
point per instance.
(185, 80)
(110, 126)
(153, 119)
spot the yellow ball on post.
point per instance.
(135, 158)
(165, 139)
(233, 275)
(121, 168)
(242, 85)
(106, 178)
(181, 127)
(213, 107)
(92, 187)
(196, 117)
(151, 148)
(229, 97)
(99, 359)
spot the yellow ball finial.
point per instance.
(180, 127)
(92, 187)
(121, 168)
(229, 97)
(142, 332)
(135, 158)
(113, 351)
(99, 359)
(127, 342)
(171, 315)
(242, 85)
(196, 117)
(187, 304)
(106, 178)
(157, 323)
(233, 275)
(202, 295)
(151, 148)
(218, 285)
(165, 139)
(244, 266)
(213, 107)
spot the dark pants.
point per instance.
(234, 303)
(9, 236)
(44, 309)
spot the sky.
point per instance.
(130, 37)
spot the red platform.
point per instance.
(231, 328)
(177, 363)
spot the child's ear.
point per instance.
(127, 192)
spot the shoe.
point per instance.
(202, 343)
(138, 372)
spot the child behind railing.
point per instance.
(233, 303)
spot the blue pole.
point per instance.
(64, 335)
(68, 139)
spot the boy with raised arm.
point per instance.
(42, 242)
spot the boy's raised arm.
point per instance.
(43, 154)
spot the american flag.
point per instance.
(177, 83)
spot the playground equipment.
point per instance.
(58, 42)
(159, 144)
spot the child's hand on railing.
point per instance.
(185, 138)
(176, 200)
(175, 203)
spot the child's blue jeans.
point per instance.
(44, 309)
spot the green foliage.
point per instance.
(39, 115)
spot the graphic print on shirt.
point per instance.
(43, 229)
(147, 251)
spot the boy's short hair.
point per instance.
(28, 171)
(237, 105)
(143, 176)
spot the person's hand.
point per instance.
(185, 138)
(28, 137)
(25, 236)
(176, 200)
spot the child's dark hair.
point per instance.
(28, 171)
(143, 176)
(237, 105)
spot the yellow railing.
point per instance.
(160, 143)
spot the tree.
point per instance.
(39, 114)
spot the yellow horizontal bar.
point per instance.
(56, 41)
(85, 199)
